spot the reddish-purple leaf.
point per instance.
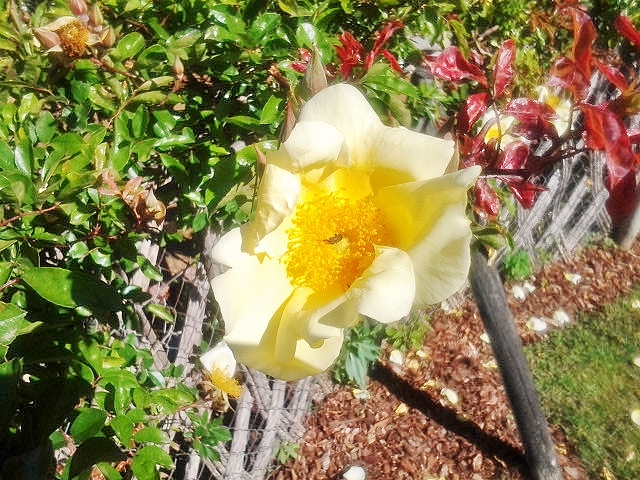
(514, 156)
(486, 202)
(625, 28)
(527, 109)
(524, 191)
(565, 74)
(606, 131)
(504, 67)
(612, 74)
(450, 65)
(584, 35)
(621, 185)
(474, 107)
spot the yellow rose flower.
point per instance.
(352, 218)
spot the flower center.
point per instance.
(73, 38)
(332, 241)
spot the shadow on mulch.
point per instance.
(489, 445)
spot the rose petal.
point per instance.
(219, 357)
(267, 281)
(386, 290)
(277, 197)
(309, 144)
(428, 220)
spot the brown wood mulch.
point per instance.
(443, 413)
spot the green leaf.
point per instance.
(71, 289)
(46, 127)
(13, 323)
(87, 424)
(108, 471)
(123, 382)
(153, 97)
(144, 464)
(152, 435)
(123, 426)
(243, 121)
(160, 312)
(149, 270)
(270, 113)
(128, 46)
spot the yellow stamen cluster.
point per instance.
(73, 38)
(332, 241)
(228, 385)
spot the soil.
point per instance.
(443, 412)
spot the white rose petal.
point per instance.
(536, 324)
(529, 287)
(518, 293)
(484, 336)
(396, 356)
(450, 395)
(355, 473)
(361, 394)
(635, 416)
(636, 360)
(574, 278)
(561, 318)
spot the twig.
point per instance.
(9, 221)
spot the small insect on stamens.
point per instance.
(333, 239)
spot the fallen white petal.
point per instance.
(636, 360)
(529, 287)
(402, 409)
(450, 395)
(536, 324)
(573, 278)
(396, 356)
(635, 303)
(355, 473)
(561, 318)
(635, 416)
(484, 336)
(518, 293)
(361, 394)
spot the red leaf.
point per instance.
(584, 35)
(625, 28)
(612, 74)
(504, 67)
(606, 131)
(621, 184)
(350, 53)
(524, 191)
(565, 74)
(527, 110)
(450, 65)
(486, 201)
(534, 118)
(382, 37)
(474, 107)
(514, 156)
(392, 60)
